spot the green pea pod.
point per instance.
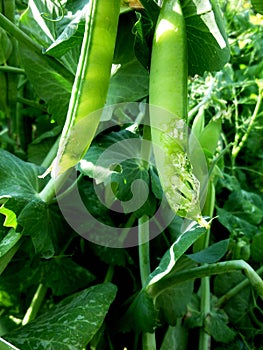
(168, 90)
(210, 135)
(91, 83)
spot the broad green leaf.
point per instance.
(168, 262)
(216, 326)
(64, 276)
(235, 224)
(211, 254)
(112, 256)
(19, 180)
(36, 21)
(141, 315)
(124, 48)
(9, 241)
(50, 79)
(175, 338)
(49, 84)
(70, 325)
(257, 248)
(258, 5)
(8, 247)
(172, 303)
(238, 306)
(44, 225)
(137, 88)
(246, 205)
(208, 48)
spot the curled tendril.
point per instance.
(59, 18)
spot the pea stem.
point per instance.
(208, 270)
(35, 304)
(11, 69)
(148, 339)
(234, 291)
(23, 38)
(239, 143)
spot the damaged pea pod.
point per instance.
(168, 113)
(91, 83)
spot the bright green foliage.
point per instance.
(71, 324)
(160, 289)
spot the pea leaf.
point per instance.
(64, 276)
(168, 262)
(138, 77)
(216, 325)
(10, 217)
(141, 315)
(238, 306)
(208, 48)
(175, 338)
(258, 5)
(211, 254)
(19, 180)
(70, 325)
(257, 247)
(43, 223)
(172, 303)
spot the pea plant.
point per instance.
(131, 174)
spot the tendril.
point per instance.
(60, 7)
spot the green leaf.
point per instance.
(235, 224)
(111, 256)
(43, 223)
(212, 253)
(49, 84)
(175, 338)
(70, 325)
(10, 217)
(172, 303)
(216, 326)
(138, 78)
(48, 33)
(19, 181)
(70, 30)
(258, 5)
(8, 247)
(64, 276)
(257, 247)
(168, 262)
(124, 48)
(238, 306)
(141, 315)
(208, 48)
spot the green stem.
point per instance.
(148, 339)
(35, 304)
(144, 252)
(238, 145)
(23, 38)
(208, 270)
(208, 210)
(109, 274)
(10, 69)
(31, 103)
(234, 291)
(51, 155)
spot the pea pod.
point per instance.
(91, 84)
(168, 90)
